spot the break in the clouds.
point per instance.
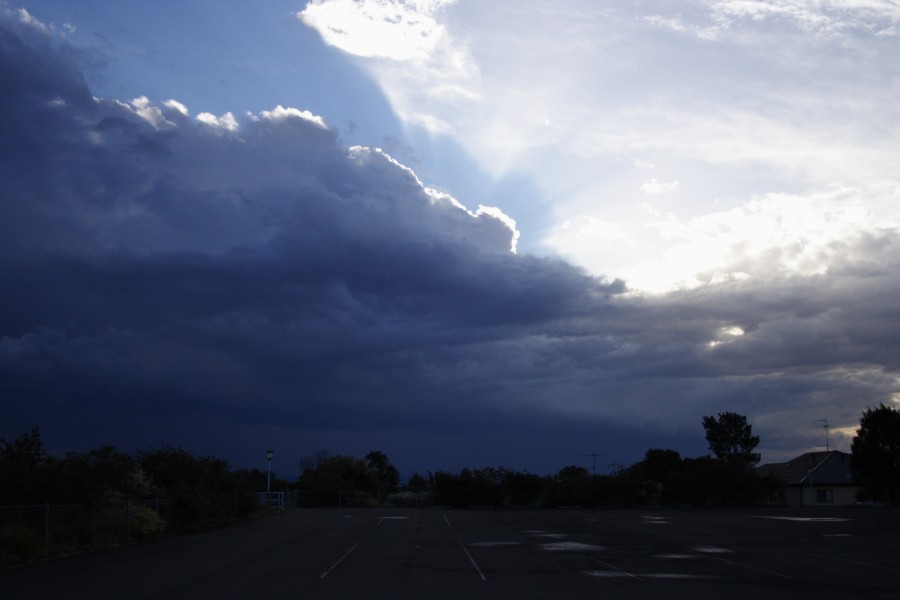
(417, 61)
(234, 280)
(737, 101)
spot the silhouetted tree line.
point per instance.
(206, 491)
(663, 477)
(344, 480)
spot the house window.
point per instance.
(825, 496)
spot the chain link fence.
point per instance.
(277, 501)
(49, 530)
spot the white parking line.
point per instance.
(609, 574)
(389, 518)
(806, 519)
(855, 562)
(346, 554)
(495, 544)
(618, 572)
(711, 550)
(474, 564)
(729, 561)
(571, 547)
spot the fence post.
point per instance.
(47, 530)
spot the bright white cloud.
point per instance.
(820, 16)
(223, 123)
(655, 186)
(396, 29)
(777, 235)
(773, 236)
(177, 106)
(422, 69)
(279, 113)
(152, 114)
(726, 335)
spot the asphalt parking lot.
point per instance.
(433, 553)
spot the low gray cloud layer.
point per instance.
(223, 282)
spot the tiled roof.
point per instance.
(825, 468)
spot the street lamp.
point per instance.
(269, 454)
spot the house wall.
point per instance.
(841, 495)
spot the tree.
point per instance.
(731, 477)
(658, 463)
(337, 480)
(875, 453)
(387, 473)
(417, 482)
(731, 439)
(207, 493)
(22, 465)
(97, 475)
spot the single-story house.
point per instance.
(814, 479)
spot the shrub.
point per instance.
(146, 523)
(21, 546)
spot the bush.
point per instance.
(146, 523)
(21, 546)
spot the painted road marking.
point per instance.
(612, 570)
(855, 562)
(729, 561)
(570, 547)
(494, 544)
(383, 519)
(711, 550)
(806, 519)
(611, 574)
(654, 520)
(346, 554)
(474, 564)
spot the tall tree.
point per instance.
(387, 473)
(22, 466)
(875, 453)
(731, 439)
(658, 463)
(730, 477)
(338, 479)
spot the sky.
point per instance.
(464, 233)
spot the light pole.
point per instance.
(269, 454)
(594, 467)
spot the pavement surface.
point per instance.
(496, 554)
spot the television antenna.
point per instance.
(825, 421)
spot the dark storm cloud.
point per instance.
(161, 269)
(178, 266)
